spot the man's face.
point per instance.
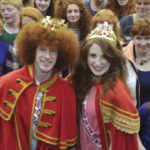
(45, 59)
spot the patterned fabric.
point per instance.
(12, 60)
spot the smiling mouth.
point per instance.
(98, 69)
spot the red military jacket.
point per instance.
(56, 127)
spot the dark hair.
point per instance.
(50, 10)
(81, 76)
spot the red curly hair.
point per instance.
(129, 8)
(85, 17)
(108, 16)
(141, 27)
(35, 34)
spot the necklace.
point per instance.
(143, 61)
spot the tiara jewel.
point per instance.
(53, 23)
(103, 31)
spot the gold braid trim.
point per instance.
(122, 121)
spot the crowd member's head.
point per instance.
(143, 8)
(37, 42)
(29, 14)
(76, 14)
(45, 6)
(10, 11)
(141, 36)
(122, 8)
(106, 15)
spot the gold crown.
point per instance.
(53, 23)
(103, 31)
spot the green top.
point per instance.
(7, 37)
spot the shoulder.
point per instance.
(10, 78)
(64, 84)
(126, 19)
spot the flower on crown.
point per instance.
(103, 31)
(53, 23)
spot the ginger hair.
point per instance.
(31, 12)
(129, 8)
(108, 16)
(141, 27)
(35, 34)
(85, 17)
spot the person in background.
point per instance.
(106, 15)
(46, 7)
(35, 100)
(3, 51)
(105, 107)
(142, 11)
(28, 14)
(95, 5)
(121, 8)
(76, 14)
(138, 52)
(10, 11)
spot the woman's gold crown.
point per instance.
(103, 31)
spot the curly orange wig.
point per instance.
(141, 27)
(85, 17)
(129, 8)
(108, 16)
(36, 34)
(50, 10)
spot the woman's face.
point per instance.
(73, 13)
(122, 2)
(143, 8)
(142, 44)
(96, 61)
(42, 5)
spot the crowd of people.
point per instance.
(74, 74)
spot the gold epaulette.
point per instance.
(122, 120)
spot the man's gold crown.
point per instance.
(103, 31)
(53, 23)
